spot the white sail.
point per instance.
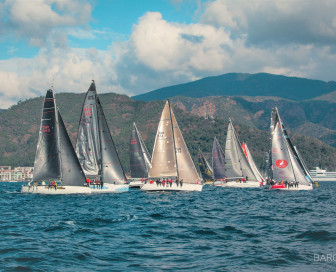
(236, 164)
(285, 162)
(252, 163)
(164, 157)
(186, 167)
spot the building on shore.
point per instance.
(16, 174)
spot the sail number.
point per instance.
(45, 129)
(87, 112)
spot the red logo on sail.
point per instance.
(281, 163)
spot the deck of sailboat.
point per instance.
(172, 187)
(247, 184)
(60, 190)
(109, 188)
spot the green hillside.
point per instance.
(237, 84)
(19, 125)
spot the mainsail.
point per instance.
(55, 157)
(164, 157)
(88, 147)
(286, 163)
(139, 156)
(205, 168)
(47, 161)
(218, 160)
(186, 167)
(236, 164)
(252, 163)
(95, 148)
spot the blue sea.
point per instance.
(218, 229)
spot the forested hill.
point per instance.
(200, 119)
(237, 84)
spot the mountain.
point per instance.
(237, 84)
(200, 119)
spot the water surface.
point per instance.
(218, 229)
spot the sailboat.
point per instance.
(288, 167)
(205, 168)
(140, 160)
(171, 159)
(56, 166)
(254, 168)
(232, 167)
(96, 150)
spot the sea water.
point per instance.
(218, 229)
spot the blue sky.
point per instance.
(133, 46)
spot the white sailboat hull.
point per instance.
(248, 184)
(109, 188)
(299, 188)
(136, 184)
(173, 187)
(218, 183)
(60, 190)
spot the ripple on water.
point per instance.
(218, 229)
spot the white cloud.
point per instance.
(282, 21)
(293, 38)
(37, 20)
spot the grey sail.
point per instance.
(286, 162)
(88, 147)
(145, 152)
(205, 168)
(218, 160)
(232, 159)
(47, 161)
(139, 157)
(236, 164)
(186, 167)
(112, 171)
(72, 173)
(254, 167)
(281, 164)
(163, 157)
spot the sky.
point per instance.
(136, 46)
